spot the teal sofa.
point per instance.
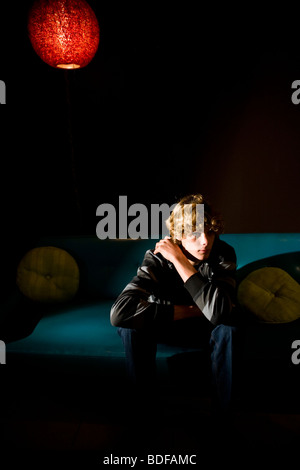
(78, 335)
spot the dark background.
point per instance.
(178, 99)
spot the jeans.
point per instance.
(140, 350)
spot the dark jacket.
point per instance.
(148, 300)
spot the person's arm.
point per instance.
(212, 292)
(214, 296)
(173, 253)
(134, 307)
(185, 269)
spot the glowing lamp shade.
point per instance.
(64, 33)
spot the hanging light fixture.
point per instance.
(64, 33)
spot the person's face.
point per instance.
(199, 245)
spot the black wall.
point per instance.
(176, 100)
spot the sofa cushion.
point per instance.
(48, 274)
(270, 294)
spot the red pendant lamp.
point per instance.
(64, 33)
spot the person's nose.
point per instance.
(203, 239)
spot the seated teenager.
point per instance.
(184, 290)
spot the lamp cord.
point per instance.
(72, 152)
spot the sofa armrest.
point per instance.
(18, 316)
(10, 304)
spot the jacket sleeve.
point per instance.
(137, 305)
(213, 289)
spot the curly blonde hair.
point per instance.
(183, 218)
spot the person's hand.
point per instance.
(173, 253)
(168, 249)
(182, 312)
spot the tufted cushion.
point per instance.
(271, 294)
(48, 274)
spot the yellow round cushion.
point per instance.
(271, 294)
(48, 274)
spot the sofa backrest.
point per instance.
(106, 266)
(254, 246)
